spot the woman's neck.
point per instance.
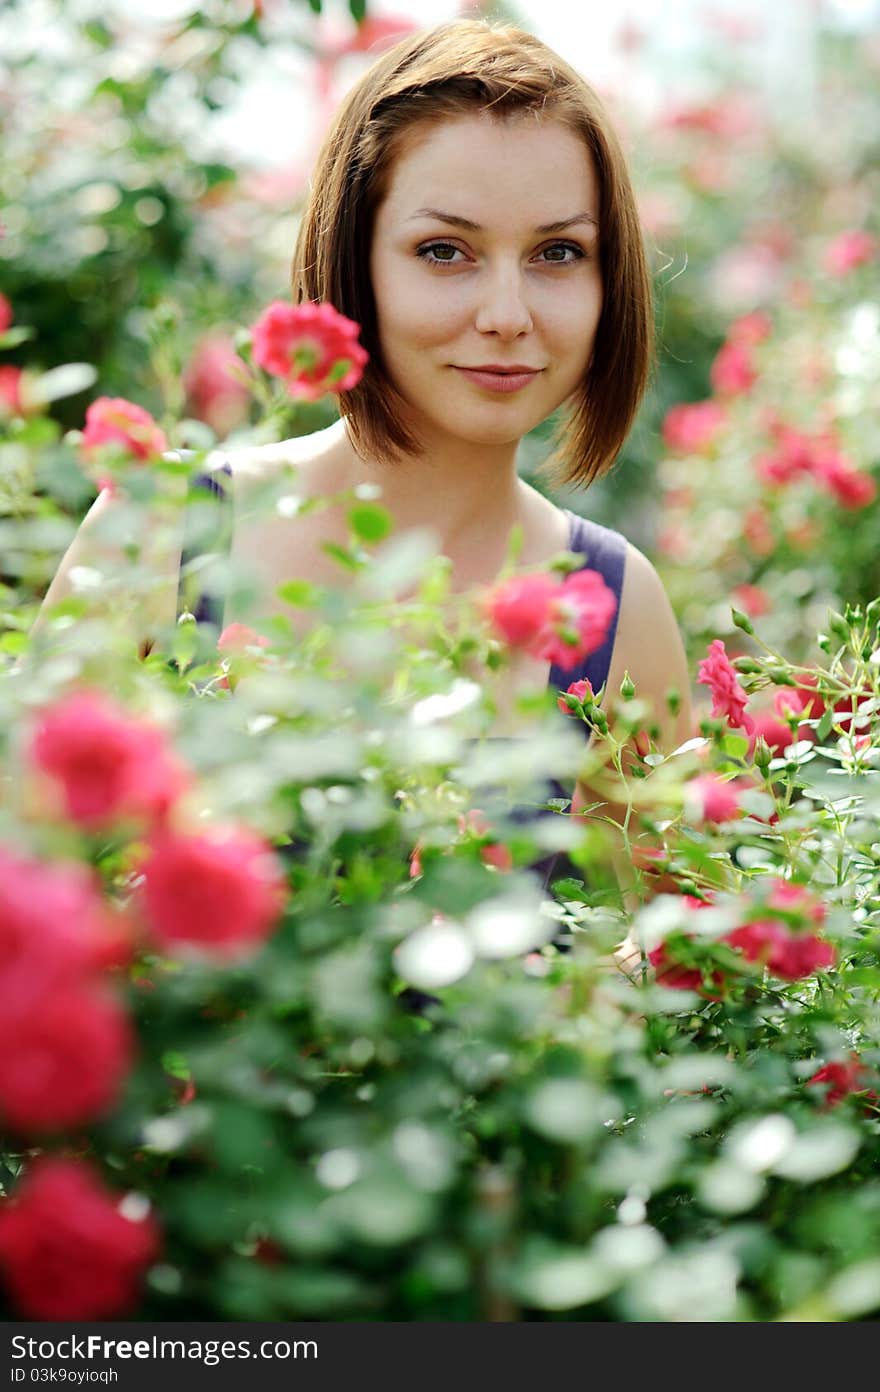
(467, 493)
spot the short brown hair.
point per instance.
(453, 70)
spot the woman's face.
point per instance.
(466, 274)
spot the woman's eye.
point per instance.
(429, 253)
(578, 254)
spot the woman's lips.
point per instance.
(498, 381)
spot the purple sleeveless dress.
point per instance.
(603, 550)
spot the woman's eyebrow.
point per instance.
(455, 221)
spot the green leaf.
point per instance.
(341, 554)
(358, 10)
(735, 745)
(370, 522)
(302, 594)
(824, 727)
(19, 333)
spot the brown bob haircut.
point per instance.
(456, 69)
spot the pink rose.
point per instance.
(216, 394)
(106, 763)
(692, 427)
(579, 689)
(518, 608)
(11, 396)
(733, 373)
(492, 852)
(758, 532)
(849, 250)
(712, 799)
(751, 328)
(63, 1059)
(314, 348)
(850, 487)
(728, 697)
(579, 617)
(236, 640)
(6, 315)
(115, 421)
(237, 637)
(751, 599)
(54, 929)
(793, 899)
(66, 1250)
(220, 891)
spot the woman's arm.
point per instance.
(649, 648)
(100, 544)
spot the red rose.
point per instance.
(111, 420)
(314, 348)
(789, 955)
(848, 250)
(6, 315)
(54, 929)
(107, 763)
(841, 1078)
(728, 697)
(63, 1059)
(66, 1250)
(221, 891)
(670, 973)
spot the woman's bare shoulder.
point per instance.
(304, 457)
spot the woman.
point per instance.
(472, 211)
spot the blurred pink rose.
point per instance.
(115, 421)
(66, 1250)
(106, 763)
(751, 599)
(709, 798)
(848, 250)
(219, 891)
(6, 315)
(215, 394)
(12, 401)
(733, 372)
(692, 427)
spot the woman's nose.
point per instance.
(502, 307)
